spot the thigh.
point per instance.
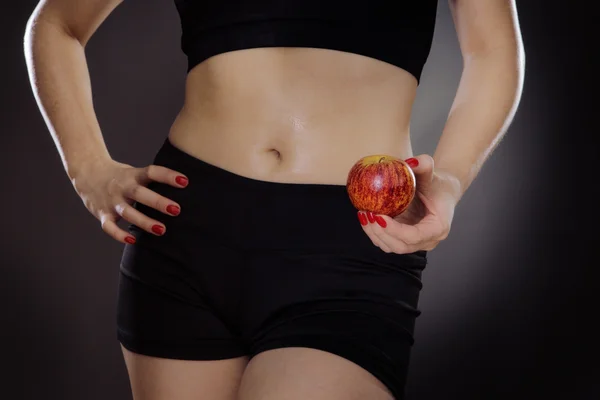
(358, 310)
(329, 350)
(299, 373)
(155, 378)
(175, 345)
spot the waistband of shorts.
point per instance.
(259, 214)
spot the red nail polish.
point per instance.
(412, 162)
(172, 209)
(380, 221)
(130, 239)
(362, 218)
(159, 230)
(182, 180)
(371, 217)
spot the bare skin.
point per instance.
(162, 379)
(294, 115)
(281, 115)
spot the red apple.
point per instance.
(381, 184)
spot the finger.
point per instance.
(404, 238)
(400, 247)
(422, 166)
(362, 216)
(409, 234)
(429, 233)
(395, 245)
(152, 199)
(130, 214)
(377, 241)
(430, 246)
(162, 174)
(372, 221)
(110, 227)
(373, 235)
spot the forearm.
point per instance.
(61, 84)
(486, 101)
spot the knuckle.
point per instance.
(151, 171)
(117, 187)
(132, 190)
(410, 241)
(375, 243)
(141, 175)
(158, 204)
(444, 232)
(105, 226)
(121, 209)
(397, 249)
(431, 246)
(104, 218)
(413, 238)
(386, 249)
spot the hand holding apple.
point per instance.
(426, 221)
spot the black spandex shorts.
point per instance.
(251, 265)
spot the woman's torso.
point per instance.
(300, 115)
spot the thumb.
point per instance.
(422, 167)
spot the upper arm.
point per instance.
(483, 26)
(79, 18)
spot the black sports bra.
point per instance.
(399, 32)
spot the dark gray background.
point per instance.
(509, 298)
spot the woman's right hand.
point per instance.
(109, 188)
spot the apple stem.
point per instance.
(381, 159)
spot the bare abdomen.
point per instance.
(294, 115)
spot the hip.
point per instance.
(253, 214)
(245, 233)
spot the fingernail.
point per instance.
(362, 218)
(130, 239)
(380, 221)
(371, 217)
(182, 180)
(172, 209)
(412, 162)
(159, 230)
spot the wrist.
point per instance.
(451, 183)
(79, 169)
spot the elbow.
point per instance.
(510, 67)
(513, 63)
(512, 58)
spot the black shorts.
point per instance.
(251, 265)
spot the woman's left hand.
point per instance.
(426, 221)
